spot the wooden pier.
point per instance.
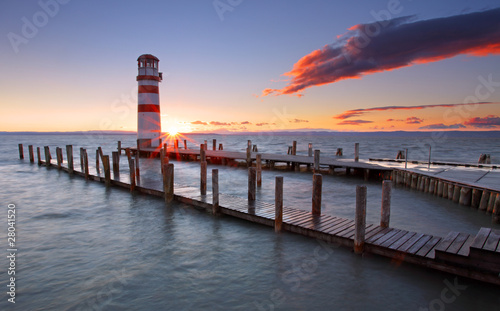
(476, 257)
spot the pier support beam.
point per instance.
(116, 162)
(131, 166)
(259, 169)
(316, 161)
(316, 195)
(86, 164)
(39, 155)
(21, 152)
(215, 192)
(491, 202)
(31, 155)
(252, 178)
(47, 156)
(203, 177)
(168, 182)
(356, 152)
(107, 170)
(483, 204)
(360, 220)
(496, 209)
(465, 196)
(278, 204)
(119, 147)
(456, 193)
(476, 198)
(386, 204)
(294, 147)
(69, 154)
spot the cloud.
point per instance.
(391, 44)
(486, 122)
(414, 120)
(298, 121)
(441, 126)
(354, 122)
(357, 112)
(217, 123)
(261, 124)
(245, 122)
(394, 120)
(199, 123)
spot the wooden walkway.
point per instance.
(476, 257)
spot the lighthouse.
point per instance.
(148, 100)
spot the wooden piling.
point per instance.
(316, 194)
(39, 155)
(107, 169)
(203, 177)
(465, 196)
(137, 169)
(81, 159)
(316, 161)
(426, 184)
(31, 155)
(215, 192)
(119, 147)
(456, 193)
(185, 144)
(445, 190)
(310, 150)
(21, 152)
(278, 204)
(366, 174)
(476, 198)
(59, 157)
(249, 157)
(259, 169)
(214, 144)
(252, 179)
(432, 185)
(86, 164)
(339, 152)
(69, 154)
(451, 190)
(131, 166)
(97, 155)
(47, 156)
(176, 144)
(168, 182)
(496, 209)
(356, 152)
(385, 214)
(440, 189)
(294, 147)
(360, 220)
(483, 204)
(221, 147)
(116, 162)
(203, 157)
(491, 202)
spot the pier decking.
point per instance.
(476, 257)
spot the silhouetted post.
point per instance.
(137, 169)
(97, 155)
(176, 144)
(131, 167)
(278, 204)
(465, 196)
(119, 147)
(81, 159)
(316, 195)
(491, 202)
(116, 162)
(59, 157)
(221, 147)
(252, 175)
(47, 156)
(69, 154)
(476, 198)
(406, 158)
(214, 144)
(429, 165)
(310, 150)
(185, 144)
(294, 147)
(31, 155)
(21, 152)
(259, 169)
(456, 193)
(249, 143)
(203, 156)
(86, 163)
(39, 155)
(386, 204)
(360, 220)
(215, 192)
(496, 209)
(203, 177)
(356, 152)
(168, 182)
(316, 161)
(107, 169)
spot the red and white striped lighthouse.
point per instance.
(148, 119)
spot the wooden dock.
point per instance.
(476, 257)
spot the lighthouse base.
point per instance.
(148, 143)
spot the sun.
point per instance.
(173, 131)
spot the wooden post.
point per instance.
(259, 169)
(278, 204)
(185, 144)
(132, 173)
(21, 152)
(252, 176)
(39, 155)
(107, 169)
(491, 202)
(176, 144)
(249, 143)
(316, 195)
(137, 169)
(451, 190)
(168, 182)
(496, 209)
(69, 154)
(86, 163)
(249, 157)
(476, 198)
(432, 185)
(429, 164)
(97, 155)
(406, 158)
(203, 177)
(360, 220)
(215, 192)
(32, 156)
(162, 160)
(456, 193)
(119, 147)
(203, 157)
(59, 157)
(386, 204)
(316, 161)
(465, 196)
(116, 162)
(81, 159)
(214, 144)
(445, 190)
(47, 156)
(294, 147)
(339, 152)
(310, 150)
(221, 147)
(356, 152)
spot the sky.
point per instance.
(241, 65)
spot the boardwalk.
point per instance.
(476, 257)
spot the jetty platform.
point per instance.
(472, 256)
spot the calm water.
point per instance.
(84, 247)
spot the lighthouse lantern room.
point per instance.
(148, 117)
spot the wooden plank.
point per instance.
(428, 246)
(298, 219)
(394, 239)
(346, 230)
(375, 230)
(481, 237)
(419, 244)
(464, 250)
(337, 225)
(329, 223)
(492, 242)
(335, 230)
(406, 245)
(378, 235)
(402, 240)
(446, 242)
(386, 236)
(457, 244)
(350, 234)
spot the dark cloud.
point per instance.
(414, 120)
(441, 126)
(299, 121)
(245, 122)
(354, 122)
(199, 123)
(490, 121)
(217, 123)
(390, 44)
